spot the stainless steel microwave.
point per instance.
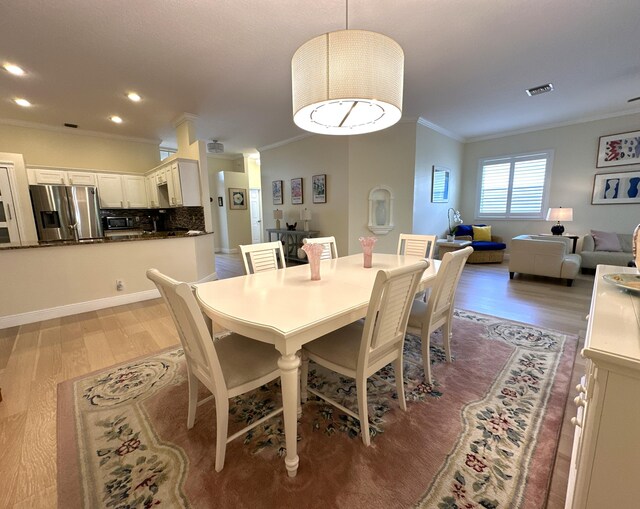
(118, 223)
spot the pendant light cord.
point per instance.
(347, 14)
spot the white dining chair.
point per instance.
(330, 249)
(262, 257)
(360, 349)
(227, 365)
(438, 310)
(417, 245)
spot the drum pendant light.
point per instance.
(347, 82)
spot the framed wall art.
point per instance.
(319, 188)
(237, 198)
(220, 201)
(439, 184)
(296, 191)
(276, 191)
(619, 149)
(616, 188)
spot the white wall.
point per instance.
(433, 148)
(312, 155)
(572, 176)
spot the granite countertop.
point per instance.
(111, 240)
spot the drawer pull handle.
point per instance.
(576, 422)
(579, 401)
(581, 388)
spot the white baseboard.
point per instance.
(74, 309)
(226, 250)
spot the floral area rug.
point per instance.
(483, 435)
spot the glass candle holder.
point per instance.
(367, 244)
(313, 254)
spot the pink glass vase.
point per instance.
(367, 249)
(313, 254)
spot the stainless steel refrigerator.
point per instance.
(66, 212)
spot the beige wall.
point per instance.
(42, 278)
(216, 166)
(574, 167)
(72, 150)
(382, 158)
(238, 222)
(433, 148)
(312, 155)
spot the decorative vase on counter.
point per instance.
(636, 246)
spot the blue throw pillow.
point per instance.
(464, 229)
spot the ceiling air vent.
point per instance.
(539, 90)
(214, 147)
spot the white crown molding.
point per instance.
(79, 132)
(73, 309)
(184, 118)
(583, 120)
(285, 142)
(434, 127)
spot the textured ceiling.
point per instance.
(467, 62)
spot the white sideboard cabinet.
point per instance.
(605, 460)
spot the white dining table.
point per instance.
(286, 309)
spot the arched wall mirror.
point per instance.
(381, 210)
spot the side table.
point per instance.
(446, 246)
(291, 241)
(572, 237)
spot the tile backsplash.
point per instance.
(180, 218)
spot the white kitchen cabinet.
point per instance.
(605, 460)
(110, 191)
(152, 191)
(49, 176)
(9, 233)
(81, 178)
(134, 191)
(178, 184)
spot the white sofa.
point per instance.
(543, 256)
(592, 258)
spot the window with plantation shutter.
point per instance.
(514, 187)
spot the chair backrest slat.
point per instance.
(443, 292)
(391, 298)
(330, 248)
(262, 257)
(417, 245)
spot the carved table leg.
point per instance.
(288, 365)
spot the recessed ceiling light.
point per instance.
(22, 102)
(14, 69)
(116, 119)
(134, 97)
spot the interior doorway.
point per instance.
(255, 205)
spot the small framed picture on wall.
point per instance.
(276, 191)
(237, 198)
(296, 191)
(220, 201)
(319, 188)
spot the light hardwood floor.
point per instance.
(35, 358)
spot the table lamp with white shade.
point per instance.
(559, 214)
(305, 215)
(277, 215)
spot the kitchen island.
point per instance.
(54, 279)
